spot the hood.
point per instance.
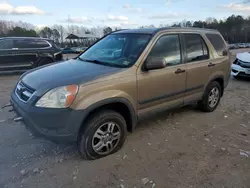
(244, 57)
(65, 73)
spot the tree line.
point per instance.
(234, 29)
(56, 32)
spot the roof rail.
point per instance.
(185, 28)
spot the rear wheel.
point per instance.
(211, 97)
(104, 134)
(44, 61)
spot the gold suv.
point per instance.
(95, 98)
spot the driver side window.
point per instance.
(167, 47)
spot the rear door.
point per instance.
(25, 53)
(221, 63)
(198, 60)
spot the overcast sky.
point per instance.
(118, 13)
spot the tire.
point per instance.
(97, 126)
(236, 77)
(206, 105)
(44, 61)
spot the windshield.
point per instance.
(121, 50)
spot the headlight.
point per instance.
(61, 97)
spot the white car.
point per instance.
(241, 66)
(242, 45)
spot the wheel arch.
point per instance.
(120, 105)
(220, 80)
(44, 57)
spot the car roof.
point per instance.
(153, 31)
(37, 38)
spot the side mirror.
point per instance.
(154, 63)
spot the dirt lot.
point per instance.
(181, 148)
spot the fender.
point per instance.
(45, 56)
(215, 77)
(101, 103)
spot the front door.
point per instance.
(163, 88)
(6, 56)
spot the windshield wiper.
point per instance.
(91, 60)
(82, 59)
(101, 62)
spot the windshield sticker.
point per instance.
(126, 62)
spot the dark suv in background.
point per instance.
(23, 53)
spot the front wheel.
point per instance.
(104, 134)
(211, 97)
(44, 61)
(236, 77)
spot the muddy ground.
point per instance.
(181, 148)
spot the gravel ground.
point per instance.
(180, 148)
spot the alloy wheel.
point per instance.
(213, 97)
(106, 138)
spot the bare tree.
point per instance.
(163, 25)
(56, 35)
(46, 32)
(3, 27)
(148, 26)
(107, 30)
(71, 29)
(61, 30)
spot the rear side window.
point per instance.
(53, 44)
(218, 43)
(29, 43)
(41, 44)
(23, 43)
(196, 48)
(6, 44)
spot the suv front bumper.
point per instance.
(59, 125)
(240, 71)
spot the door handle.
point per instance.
(211, 64)
(179, 71)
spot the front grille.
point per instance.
(234, 71)
(24, 92)
(243, 64)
